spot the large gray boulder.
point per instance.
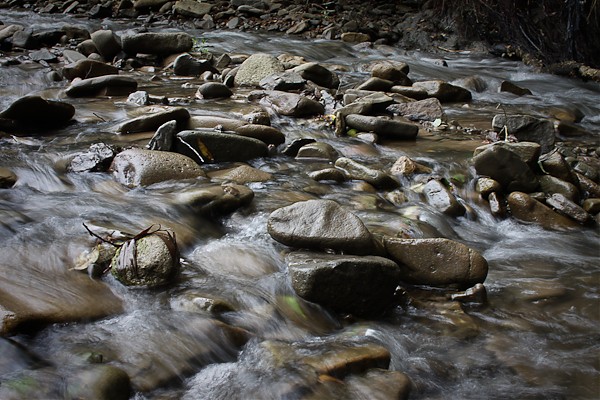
(506, 167)
(257, 67)
(320, 224)
(387, 128)
(107, 85)
(139, 167)
(355, 170)
(35, 111)
(527, 129)
(150, 261)
(437, 262)
(206, 146)
(362, 286)
(161, 43)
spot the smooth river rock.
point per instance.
(318, 74)
(355, 170)
(88, 68)
(525, 208)
(153, 119)
(437, 262)
(386, 128)
(320, 224)
(215, 199)
(35, 111)
(527, 128)
(362, 286)
(443, 91)
(209, 146)
(161, 43)
(440, 197)
(140, 167)
(107, 85)
(257, 67)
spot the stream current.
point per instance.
(537, 338)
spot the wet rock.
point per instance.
(587, 187)
(592, 206)
(107, 43)
(97, 159)
(320, 224)
(212, 122)
(551, 185)
(154, 120)
(87, 47)
(375, 177)
(292, 104)
(161, 43)
(101, 382)
(422, 110)
(415, 93)
(497, 205)
(30, 297)
(150, 261)
(164, 137)
(527, 129)
(292, 149)
(256, 68)
(486, 186)
(284, 81)
(362, 286)
(216, 200)
(207, 146)
(555, 164)
(473, 83)
(107, 85)
(318, 150)
(87, 68)
(298, 28)
(7, 178)
(15, 357)
(406, 166)
(386, 128)
(258, 117)
(43, 55)
(440, 197)
(529, 152)
(191, 8)
(318, 74)
(437, 262)
(506, 167)
(186, 65)
(474, 295)
(380, 384)
(565, 206)
(24, 39)
(264, 133)
(376, 84)
(355, 37)
(213, 90)
(9, 30)
(36, 112)
(443, 91)
(392, 72)
(525, 208)
(138, 167)
(96, 261)
(241, 175)
(328, 174)
(507, 86)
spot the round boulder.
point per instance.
(320, 224)
(213, 90)
(437, 262)
(138, 167)
(162, 43)
(350, 284)
(257, 67)
(34, 111)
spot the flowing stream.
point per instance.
(538, 337)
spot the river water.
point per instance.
(538, 337)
